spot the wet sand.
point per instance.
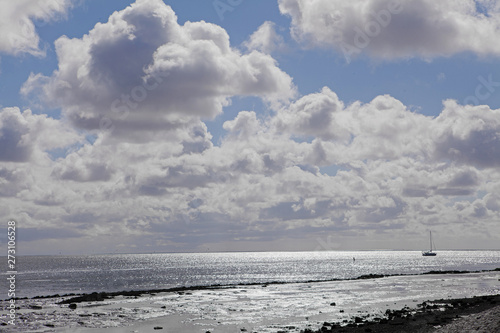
(293, 307)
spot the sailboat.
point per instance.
(429, 253)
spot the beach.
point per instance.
(279, 307)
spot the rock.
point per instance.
(49, 325)
(333, 304)
(396, 322)
(72, 306)
(358, 320)
(35, 307)
(157, 328)
(94, 297)
(164, 307)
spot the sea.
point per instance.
(62, 274)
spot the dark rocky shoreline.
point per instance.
(428, 316)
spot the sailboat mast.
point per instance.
(430, 239)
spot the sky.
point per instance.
(235, 125)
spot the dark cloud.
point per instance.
(91, 172)
(86, 217)
(47, 233)
(454, 191)
(23, 133)
(479, 148)
(465, 179)
(12, 129)
(11, 147)
(415, 192)
(383, 213)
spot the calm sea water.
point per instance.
(49, 275)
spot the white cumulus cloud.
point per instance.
(17, 23)
(390, 29)
(265, 39)
(143, 72)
